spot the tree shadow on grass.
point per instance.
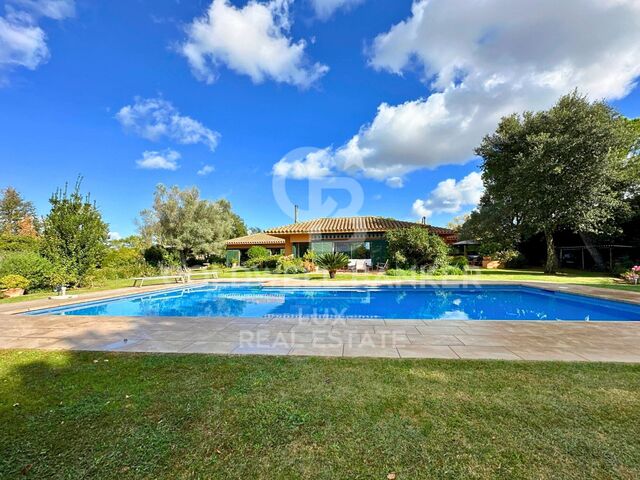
(72, 414)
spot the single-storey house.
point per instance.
(357, 237)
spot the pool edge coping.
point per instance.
(20, 308)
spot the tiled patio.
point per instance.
(337, 337)
(508, 340)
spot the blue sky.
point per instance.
(391, 95)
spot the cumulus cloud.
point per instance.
(253, 40)
(326, 8)
(483, 60)
(163, 160)
(23, 43)
(56, 9)
(316, 164)
(206, 170)
(319, 164)
(156, 118)
(115, 236)
(451, 196)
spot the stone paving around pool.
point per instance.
(506, 340)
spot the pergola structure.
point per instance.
(581, 249)
(464, 244)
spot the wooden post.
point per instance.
(611, 258)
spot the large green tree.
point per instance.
(181, 220)
(75, 236)
(564, 168)
(15, 211)
(416, 247)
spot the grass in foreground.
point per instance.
(73, 415)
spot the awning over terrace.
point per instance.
(261, 239)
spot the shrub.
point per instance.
(257, 252)
(399, 272)
(14, 281)
(623, 265)
(122, 262)
(157, 255)
(459, 261)
(510, 258)
(310, 256)
(448, 270)
(262, 263)
(309, 260)
(18, 243)
(398, 258)
(332, 262)
(289, 265)
(416, 247)
(35, 268)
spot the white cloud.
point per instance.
(56, 9)
(395, 182)
(115, 236)
(483, 60)
(206, 170)
(155, 118)
(326, 8)
(164, 160)
(450, 196)
(252, 40)
(23, 43)
(316, 164)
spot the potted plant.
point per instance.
(13, 285)
(332, 262)
(309, 261)
(488, 251)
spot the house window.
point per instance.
(355, 250)
(299, 249)
(322, 247)
(343, 247)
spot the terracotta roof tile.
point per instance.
(352, 224)
(256, 239)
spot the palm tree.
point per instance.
(332, 262)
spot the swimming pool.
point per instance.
(487, 302)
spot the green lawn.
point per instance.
(96, 415)
(577, 277)
(110, 285)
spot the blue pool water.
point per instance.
(420, 302)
